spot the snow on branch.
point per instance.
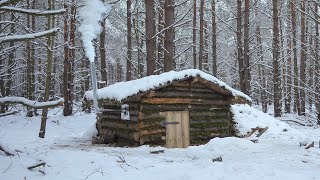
(29, 103)
(25, 37)
(8, 2)
(33, 11)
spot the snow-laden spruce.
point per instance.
(122, 90)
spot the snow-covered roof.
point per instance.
(122, 90)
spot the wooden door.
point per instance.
(177, 128)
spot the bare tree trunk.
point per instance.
(275, 62)
(303, 60)
(263, 90)
(261, 70)
(246, 59)
(119, 72)
(311, 75)
(72, 53)
(150, 39)
(194, 34)
(2, 84)
(33, 57)
(206, 47)
(295, 59)
(288, 98)
(30, 69)
(201, 50)
(10, 61)
(139, 46)
(85, 64)
(160, 37)
(69, 56)
(239, 47)
(129, 44)
(103, 60)
(214, 39)
(2, 91)
(50, 42)
(282, 65)
(67, 110)
(169, 36)
(317, 64)
(309, 55)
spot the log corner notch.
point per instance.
(29, 103)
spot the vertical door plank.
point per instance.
(178, 130)
(169, 131)
(185, 127)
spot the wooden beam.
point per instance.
(184, 94)
(185, 101)
(167, 100)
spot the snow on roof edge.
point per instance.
(122, 90)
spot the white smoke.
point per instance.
(90, 14)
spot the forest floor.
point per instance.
(69, 155)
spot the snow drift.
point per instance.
(247, 117)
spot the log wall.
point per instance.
(209, 112)
(115, 130)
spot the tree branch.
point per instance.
(8, 113)
(33, 11)
(29, 103)
(25, 37)
(37, 165)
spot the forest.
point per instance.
(267, 49)
(187, 89)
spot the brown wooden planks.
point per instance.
(177, 135)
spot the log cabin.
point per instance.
(173, 109)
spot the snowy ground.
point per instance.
(70, 156)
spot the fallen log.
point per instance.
(29, 103)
